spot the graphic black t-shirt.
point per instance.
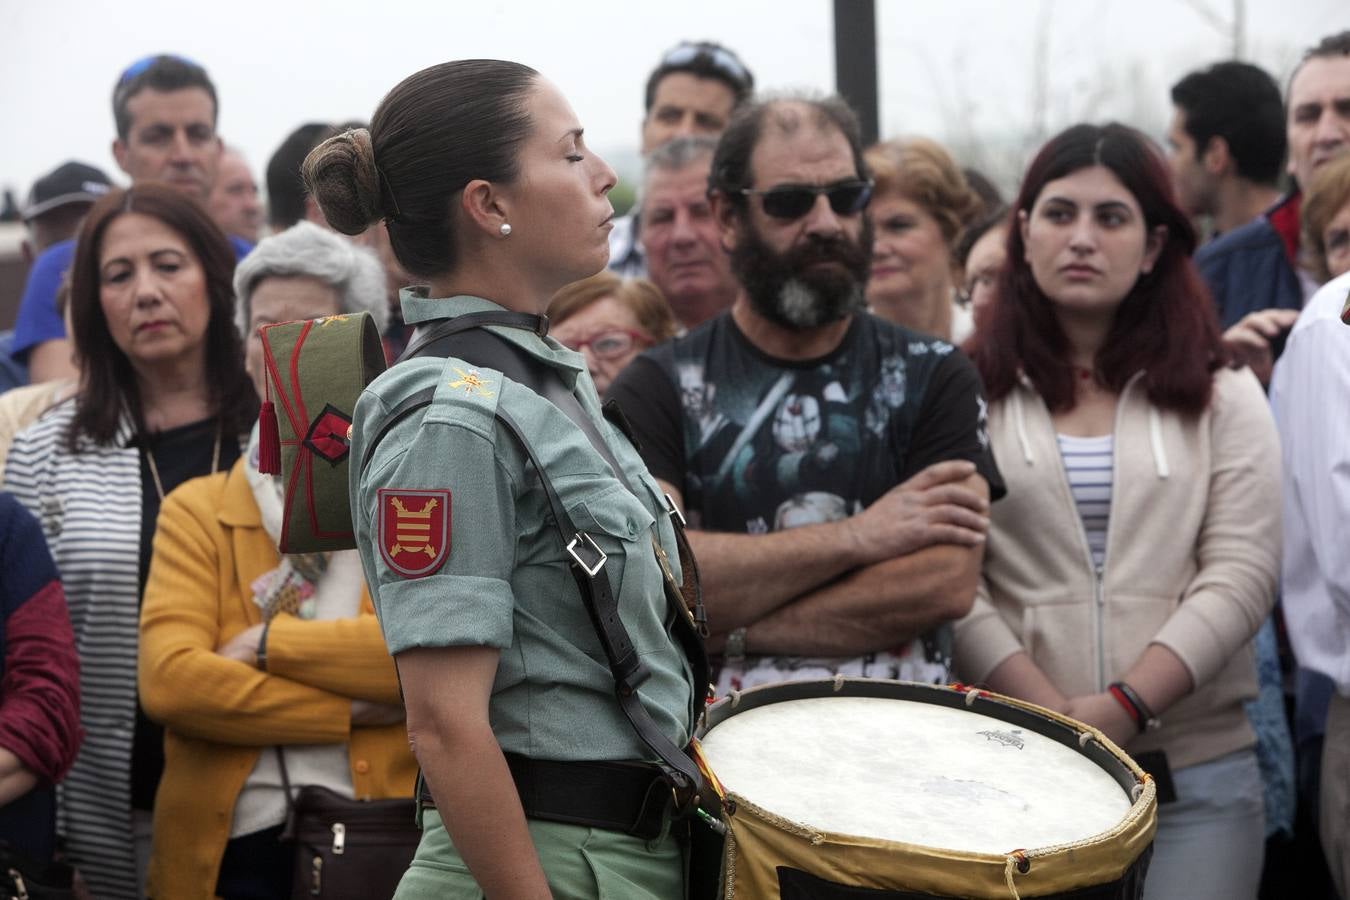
(757, 444)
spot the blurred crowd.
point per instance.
(1080, 446)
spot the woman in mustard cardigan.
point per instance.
(243, 650)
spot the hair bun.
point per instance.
(341, 175)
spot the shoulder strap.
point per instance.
(625, 665)
(474, 344)
(425, 342)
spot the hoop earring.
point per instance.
(505, 229)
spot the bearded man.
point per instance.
(839, 506)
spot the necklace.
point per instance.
(154, 469)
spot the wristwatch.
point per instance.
(261, 652)
(734, 650)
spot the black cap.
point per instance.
(70, 182)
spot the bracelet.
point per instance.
(1130, 710)
(261, 652)
(1128, 697)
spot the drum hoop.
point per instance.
(1044, 870)
(1082, 739)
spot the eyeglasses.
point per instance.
(721, 58)
(792, 201)
(145, 62)
(610, 344)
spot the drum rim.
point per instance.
(1082, 739)
(1032, 872)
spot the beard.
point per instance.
(791, 289)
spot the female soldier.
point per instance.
(491, 195)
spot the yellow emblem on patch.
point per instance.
(329, 320)
(471, 382)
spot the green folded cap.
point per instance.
(316, 370)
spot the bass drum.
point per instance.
(855, 789)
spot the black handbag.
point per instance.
(24, 878)
(347, 849)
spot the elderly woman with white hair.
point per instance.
(244, 650)
(304, 272)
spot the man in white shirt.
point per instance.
(1310, 393)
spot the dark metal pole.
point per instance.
(855, 60)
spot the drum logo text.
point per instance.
(1006, 738)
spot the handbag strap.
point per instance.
(285, 782)
(473, 343)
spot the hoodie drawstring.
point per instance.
(1020, 419)
(1155, 438)
(1160, 463)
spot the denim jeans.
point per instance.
(1211, 840)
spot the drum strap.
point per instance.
(474, 344)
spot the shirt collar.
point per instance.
(418, 307)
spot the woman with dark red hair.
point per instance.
(1136, 553)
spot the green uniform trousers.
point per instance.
(580, 863)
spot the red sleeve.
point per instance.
(40, 689)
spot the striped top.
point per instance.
(89, 505)
(1087, 462)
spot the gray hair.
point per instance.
(306, 250)
(678, 153)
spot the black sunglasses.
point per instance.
(792, 201)
(720, 58)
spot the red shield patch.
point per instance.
(414, 530)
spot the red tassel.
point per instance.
(269, 441)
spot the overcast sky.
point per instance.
(964, 71)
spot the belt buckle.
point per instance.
(674, 511)
(592, 571)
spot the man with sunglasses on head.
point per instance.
(835, 467)
(693, 91)
(165, 109)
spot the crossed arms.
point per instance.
(868, 583)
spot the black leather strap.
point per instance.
(557, 393)
(439, 329)
(625, 665)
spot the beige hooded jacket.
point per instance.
(1192, 555)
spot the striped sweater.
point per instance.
(89, 506)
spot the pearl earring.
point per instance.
(505, 229)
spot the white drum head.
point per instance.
(913, 772)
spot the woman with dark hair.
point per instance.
(163, 397)
(1135, 555)
(538, 785)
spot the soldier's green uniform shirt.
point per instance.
(506, 584)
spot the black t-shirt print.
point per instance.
(756, 444)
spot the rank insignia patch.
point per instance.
(471, 382)
(414, 530)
